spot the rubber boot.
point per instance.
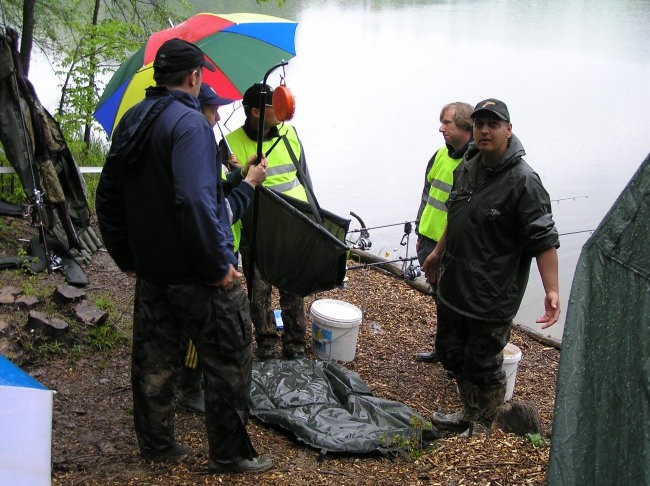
(190, 390)
(488, 406)
(469, 413)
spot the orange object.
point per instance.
(283, 103)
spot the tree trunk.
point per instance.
(91, 81)
(27, 38)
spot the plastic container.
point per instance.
(511, 358)
(334, 329)
(279, 324)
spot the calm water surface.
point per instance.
(370, 78)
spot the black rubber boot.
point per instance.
(488, 402)
(190, 390)
(469, 413)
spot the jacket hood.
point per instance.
(513, 154)
(133, 129)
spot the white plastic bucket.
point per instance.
(334, 329)
(511, 358)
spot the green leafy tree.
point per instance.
(85, 40)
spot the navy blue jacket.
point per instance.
(160, 202)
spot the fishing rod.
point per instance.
(36, 202)
(376, 227)
(409, 273)
(571, 198)
(576, 232)
(365, 229)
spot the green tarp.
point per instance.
(601, 423)
(330, 408)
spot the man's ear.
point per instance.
(194, 78)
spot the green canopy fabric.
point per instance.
(601, 423)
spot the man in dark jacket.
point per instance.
(163, 218)
(499, 218)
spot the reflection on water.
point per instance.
(370, 78)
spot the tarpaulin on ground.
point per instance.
(330, 408)
(293, 251)
(601, 422)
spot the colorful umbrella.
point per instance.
(243, 46)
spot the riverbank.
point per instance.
(93, 441)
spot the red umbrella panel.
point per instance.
(243, 46)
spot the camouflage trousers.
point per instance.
(218, 321)
(292, 307)
(471, 348)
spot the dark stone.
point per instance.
(26, 302)
(89, 314)
(64, 294)
(8, 295)
(39, 322)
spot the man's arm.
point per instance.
(547, 265)
(432, 262)
(111, 213)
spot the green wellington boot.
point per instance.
(469, 413)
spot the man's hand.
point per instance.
(226, 282)
(255, 174)
(431, 266)
(233, 163)
(552, 306)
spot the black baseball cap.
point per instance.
(252, 95)
(208, 96)
(494, 106)
(176, 55)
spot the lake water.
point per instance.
(370, 78)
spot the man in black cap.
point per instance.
(287, 174)
(162, 215)
(499, 218)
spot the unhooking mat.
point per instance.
(330, 408)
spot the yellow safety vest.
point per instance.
(441, 177)
(281, 173)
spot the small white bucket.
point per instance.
(511, 358)
(334, 329)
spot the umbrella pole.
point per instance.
(256, 194)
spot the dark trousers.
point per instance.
(425, 247)
(292, 306)
(218, 322)
(472, 348)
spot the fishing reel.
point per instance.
(363, 243)
(411, 272)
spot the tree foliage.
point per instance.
(85, 40)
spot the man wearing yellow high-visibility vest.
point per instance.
(456, 128)
(286, 152)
